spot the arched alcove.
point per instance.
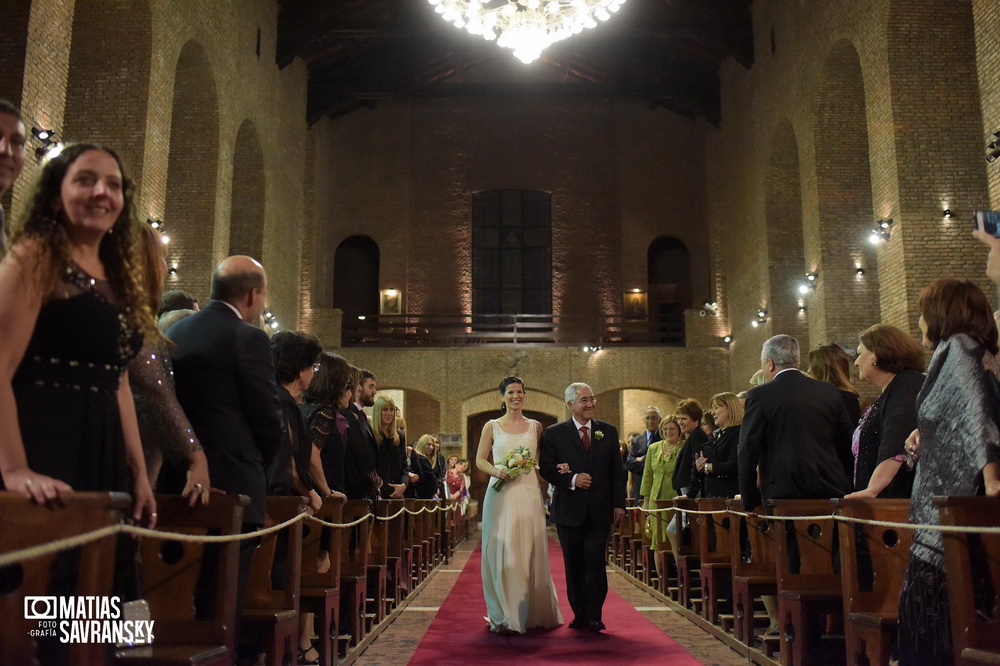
(786, 254)
(246, 226)
(192, 170)
(836, 244)
(356, 279)
(668, 268)
(107, 91)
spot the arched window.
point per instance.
(668, 266)
(511, 252)
(355, 278)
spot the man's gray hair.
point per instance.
(652, 408)
(572, 391)
(783, 350)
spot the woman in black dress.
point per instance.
(391, 448)
(891, 360)
(716, 466)
(73, 313)
(329, 392)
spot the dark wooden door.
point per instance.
(481, 479)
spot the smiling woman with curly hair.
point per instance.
(73, 312)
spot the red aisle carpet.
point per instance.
(459, 635)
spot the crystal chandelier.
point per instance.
(525, 26)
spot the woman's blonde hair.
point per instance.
(669, 418)
(381, 400)
(732, 403)
(421, 445)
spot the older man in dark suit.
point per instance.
(225, 376)
(796, 429)
(581, 458)
(636, 461)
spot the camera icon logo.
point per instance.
(40, 608)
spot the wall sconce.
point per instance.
(860, 271)
(728, 339)
(761, 318)
(881, 232)
(270, 320)
(49, 147)
(994, 148)
(159, 226)
(802, 308)
(712, 306)
(948, 214)
(810, 284)
(172, 270)
(593, 348)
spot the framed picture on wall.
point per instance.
(635, 305)
(390, 302)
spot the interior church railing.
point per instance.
(521, 329)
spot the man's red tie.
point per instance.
(585, 438)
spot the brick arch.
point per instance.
(783, 215)
(108, 88)
(938, 140)
(192, 169)
(836, 243)
(246, 228)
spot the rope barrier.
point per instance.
(954, 529)
(41, 550)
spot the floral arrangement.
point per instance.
(518, 461)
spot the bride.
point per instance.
(517, 583)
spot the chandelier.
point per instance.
(525, 26)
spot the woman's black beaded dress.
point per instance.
(66, 386)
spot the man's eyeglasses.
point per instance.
(587, 401)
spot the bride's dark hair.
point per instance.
(504, 383)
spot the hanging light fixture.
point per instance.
(526, 27)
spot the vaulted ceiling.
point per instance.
(362, 51)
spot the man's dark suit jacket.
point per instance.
(797, 429)
(561, 444)
(637, 449)
(359, 457)
(224, 371)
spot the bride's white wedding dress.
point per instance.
(517, 582)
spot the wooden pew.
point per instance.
(666, 567)
(378, 574)
(320, 593)
(975, 636)
(753, 554)
(687, 556)
(808, 588)
(24, 524)
(170, 580)
(412, 541)
(871, 572)
(272, 606)
(639, 546)
(432, 534)
(397, 562)
(354, 545)
(445, 527)
(715, 550)
(620, 536)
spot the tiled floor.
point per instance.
(398, 642)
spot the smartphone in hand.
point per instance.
(988, 221)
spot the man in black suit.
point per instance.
(796, 429)
(224, 370)
(581, 459)
(636, 460)
(361, 456)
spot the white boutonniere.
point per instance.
(598, 435)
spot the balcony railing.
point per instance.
(462, 330)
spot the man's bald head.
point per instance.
(238, 279)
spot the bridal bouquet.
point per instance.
(517, 462)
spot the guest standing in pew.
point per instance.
(658, 470)
(958, 444)
(689, 413)
(638, 445)
(829, 363)
(361, 456)
(391, 449)
(328, 394)
(424, 452)
(795, 428)
(73, 312)
(891, 360)
(226, 385)
(717, 468)
(168, 441)
(295, 357)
